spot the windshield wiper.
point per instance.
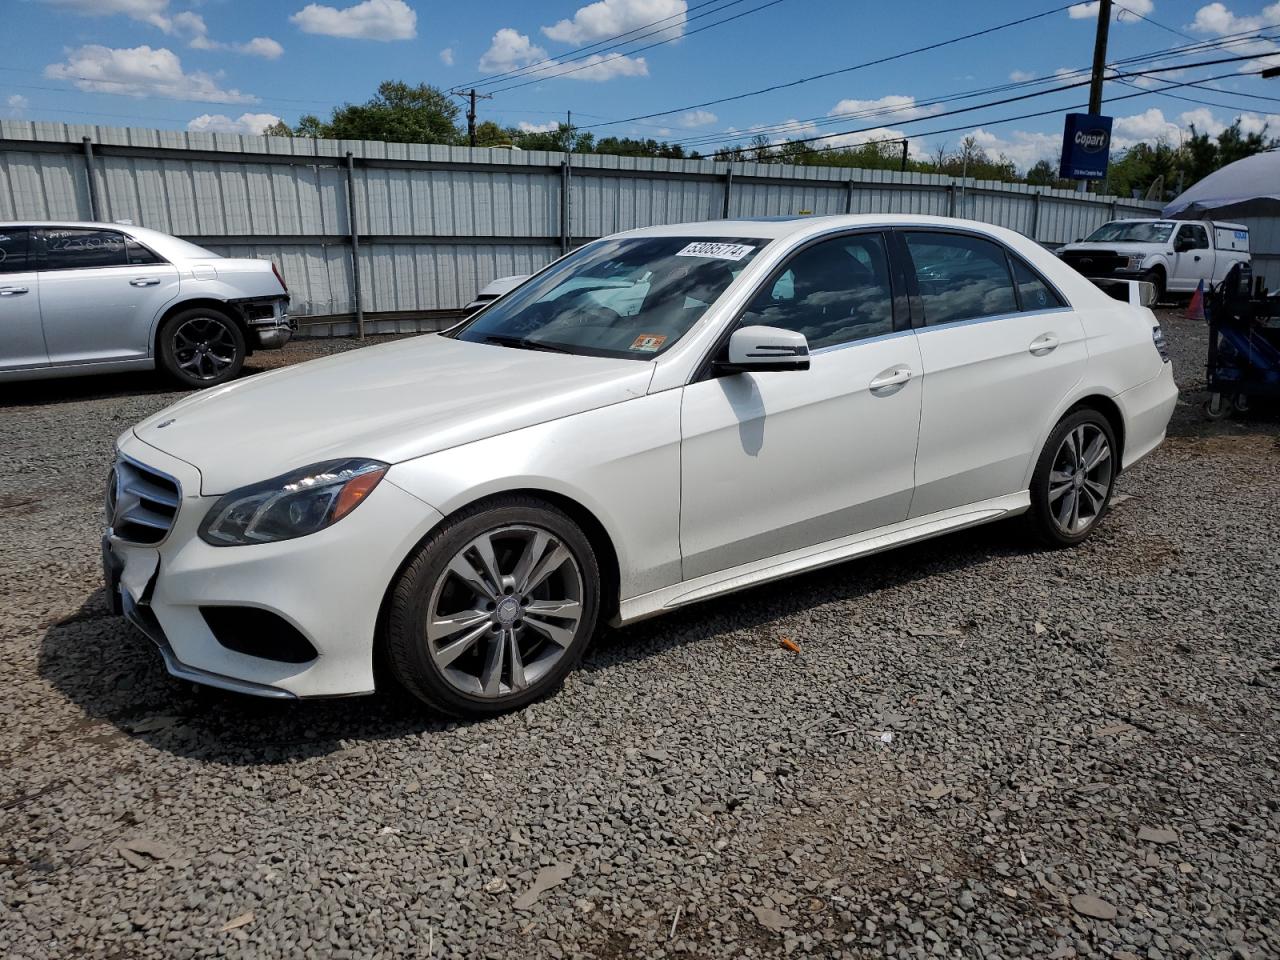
(523, 343)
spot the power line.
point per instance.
(842, 70)
(887, 111)
(1154, 23)
(635, 50)
(985, 123)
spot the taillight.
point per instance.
(276, 271)
(1157, 337)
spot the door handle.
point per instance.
(891, 378)
(12, 291)
(144, 281)
(1043, 345)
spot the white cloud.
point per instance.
(186, 24)
(597, 68)
(1217, 20)
(696, 118)
(1119, 14)
(1021, 76)
(154, 12)
(446, 56)
(17, 104)
(511, 50)
(898, 106)
(549, 127)
(1023, 147)
(608, 18)
(140, 72)
(253, 123)
(370, 20)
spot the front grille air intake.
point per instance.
(141, 503)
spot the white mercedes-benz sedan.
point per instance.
(661, 416)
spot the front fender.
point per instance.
(621, 463)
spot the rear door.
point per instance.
(100, 292)
(21, 338)
(998, 359)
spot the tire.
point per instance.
(1068, 498)
(200, 347)
(451, 630)
(1156, 279)
(1218, 407)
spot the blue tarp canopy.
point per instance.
(1246, 188)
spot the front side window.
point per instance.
(960, 277)
(1120, 231)
(833, 292)
(13, 250)
(630, 297)
(1193, 237)
(76, 248)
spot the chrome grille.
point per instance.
(141, 503)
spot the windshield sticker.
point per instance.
(648, 342)
(716, 251)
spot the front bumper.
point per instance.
(328, 586)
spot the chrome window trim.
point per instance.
(952, 324)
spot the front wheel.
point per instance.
(1156, 279)
(495, 609)
(201, 348)
(1074, 478)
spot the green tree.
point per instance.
(399, 113)
(563, 139)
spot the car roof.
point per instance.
(83, 224)
(776, 228)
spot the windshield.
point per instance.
(1140, 232)
(629, 297)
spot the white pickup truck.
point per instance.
(1172, 255)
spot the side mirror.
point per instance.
(759, 349)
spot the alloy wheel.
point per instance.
(204, 347)
(504, 611)
(1080, 479)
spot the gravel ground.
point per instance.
(980, 750)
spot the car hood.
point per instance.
(1124, 249)
(391, 402)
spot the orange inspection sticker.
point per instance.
(648, 342)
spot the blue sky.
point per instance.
(239, 65)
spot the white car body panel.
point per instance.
(701, 486)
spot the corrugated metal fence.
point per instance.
(429, 225)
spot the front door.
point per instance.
(100, 293)
(772, 462)
(998, 360)
(21, 339)
(1193, 260)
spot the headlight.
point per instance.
(292, 505)
(1135, 263)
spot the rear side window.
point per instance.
(75, 248)
(138, 255)
(1194, 237)
(960, 277)
(1033, 292)
(13, 250)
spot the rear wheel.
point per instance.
(201, 347)
(495, 609)
(1074, 478)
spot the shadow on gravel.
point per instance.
(33, 393)
(114, 674)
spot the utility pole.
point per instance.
(1099, 66)
(472, 96)
(904, 154)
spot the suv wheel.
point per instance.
(495, 609)
(201, 347)
(1074, 478)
